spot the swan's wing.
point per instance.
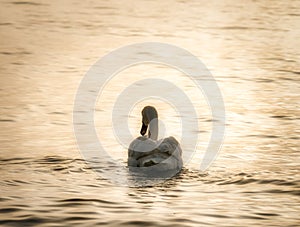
(170, 145)
(141, 146)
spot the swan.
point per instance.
(165, 154)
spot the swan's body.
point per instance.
(148, 151)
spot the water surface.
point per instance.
(251, 48)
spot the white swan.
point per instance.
(147, 151)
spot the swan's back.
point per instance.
(144, 152)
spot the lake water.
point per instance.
(250, 47)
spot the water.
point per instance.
(251, 48)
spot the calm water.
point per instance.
(251, 48)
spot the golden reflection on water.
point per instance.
(251, 48)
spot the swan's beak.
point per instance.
(144, 129)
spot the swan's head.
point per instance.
(149, 114)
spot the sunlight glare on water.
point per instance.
(250, 47)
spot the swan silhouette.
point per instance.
(145, 151)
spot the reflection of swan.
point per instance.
(147, 151)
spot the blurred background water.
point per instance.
(251, 48)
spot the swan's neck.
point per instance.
(150, 119)
(153, 129)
